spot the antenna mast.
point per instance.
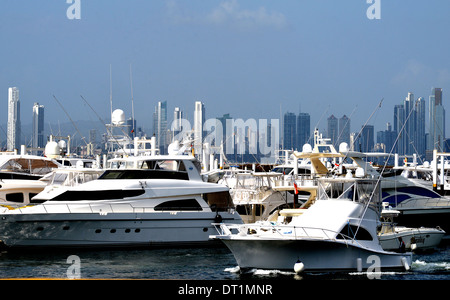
(132, 100)
(110, 89)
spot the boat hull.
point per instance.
(422, 238)
(317, 256)
(110, 230)
(425, 217)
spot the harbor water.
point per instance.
(186, 264)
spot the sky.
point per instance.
(250, 58)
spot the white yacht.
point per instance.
(420, 206)
(255, 195)
(19, 177)
(337, 233)
(138, 201)
(415, 239)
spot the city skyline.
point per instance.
(250, 59)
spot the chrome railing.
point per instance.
(284, 232)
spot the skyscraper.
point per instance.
(38, 126)
(290, 131)
(387, 138)
(177, 119)
(437, 120)
(367, 139)
(199, 120)
(420, 127)
(160, 125)
(410, 122)
(344, 130)
(332, 129)
(303, 130)
(399, 120)
(14, 127)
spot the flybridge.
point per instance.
(158, 167)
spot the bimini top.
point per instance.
(26, 165)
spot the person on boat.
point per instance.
(402, 246)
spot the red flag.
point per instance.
(295, 188)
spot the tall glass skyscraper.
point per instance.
(160, 125)
(14, 127)
(420, 127)
(303, 130)
(38, 126)
(344, 131)
(199, 120)
(333, 129)
(290, 131)
(437, 120)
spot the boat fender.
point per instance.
(299, 267)
(413, 247)
(218, 218)
(359, 264)
(405, 263)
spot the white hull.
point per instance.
(316, 255)
(109, 230)
(417, 238)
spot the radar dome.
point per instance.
(52, 150)
(307, 148)
(343, 147)
(62, 144)
(118, 117)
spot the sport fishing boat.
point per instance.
(138, 201)
(416, 239)
(337, 233)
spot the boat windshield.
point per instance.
(170, 165)
(360, 190)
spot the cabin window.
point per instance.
(349, 232)
(170, 165)
(179, 205)
(58, 178)
(144, 174)
(97, 195)
(15, 197)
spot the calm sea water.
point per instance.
(184, 263)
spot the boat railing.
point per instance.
(300, 180)
(285, 232)
(101, 209)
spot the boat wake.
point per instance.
(418, 267)
(422, 266)
(260, 272)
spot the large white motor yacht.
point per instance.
(138, 201)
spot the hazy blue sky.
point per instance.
(249, 58)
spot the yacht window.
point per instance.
(176, 205)
(284, 171)
(59, 178)
(15, 197)
(96, 195)
(143, 174)
(349, 232)
(171, 165)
